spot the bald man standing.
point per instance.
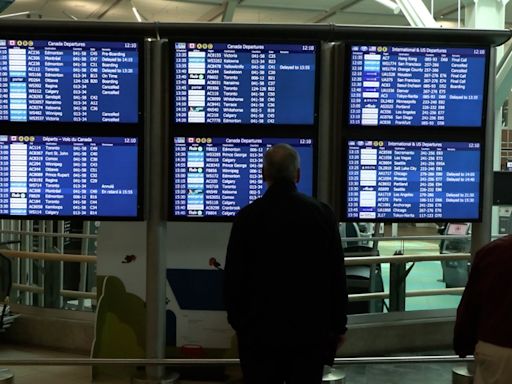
(285, 289)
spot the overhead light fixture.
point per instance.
(136, 12)
(14, 14)
(391, 5)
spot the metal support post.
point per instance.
(156, 216)
(229, 11)
(325, 140)
(397, 274)
(417, 13)
(481, 232)
(488, 14)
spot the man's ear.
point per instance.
(297, 179)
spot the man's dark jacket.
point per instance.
(284, 274)
(485, 310)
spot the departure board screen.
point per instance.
(245, 83)
(68, 176)
(417, 86)
(413, 180)
(69, 81)
(216, 177)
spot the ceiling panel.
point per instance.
(300, 4)
(169, 11)
(366, 12)
(366, 18)
(251, 15)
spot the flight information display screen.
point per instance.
(245, 83)
(417, 86)
(68, 176)
(216, 177)
(69, 81)
(413, 180)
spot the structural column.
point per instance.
(488, 14)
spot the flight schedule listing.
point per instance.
(217, 177)
(413, 180)
(69, 81)
(245, 83)
(68, 176)
(417, 86)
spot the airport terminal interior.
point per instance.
(132, 132)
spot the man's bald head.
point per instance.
(281, 163)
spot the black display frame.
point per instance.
(62, 133)
(236, 130)
(171, 216)
(402, 136)
(90, 129)
(347, 77)
(251, 40)
(129, 38)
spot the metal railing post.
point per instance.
(397, 288)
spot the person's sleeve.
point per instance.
(233, 276)
(339, 280)
(465, 334)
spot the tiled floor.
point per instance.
(357, 374)
(43, 374)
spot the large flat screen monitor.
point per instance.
(412, 181)
(69, 81)
(417, 86)
(245, 83)
(69, 176)
(215, 177)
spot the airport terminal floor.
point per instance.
(423, 276)
(360, 374)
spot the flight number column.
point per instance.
(212, 175)
(385, 182)
(36, 175)
(36, 85)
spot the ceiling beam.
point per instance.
(229, 12)
(322, 16)
(103, 9)
(446, 11)
(417, 13)
(213, 13)
(257, 6)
